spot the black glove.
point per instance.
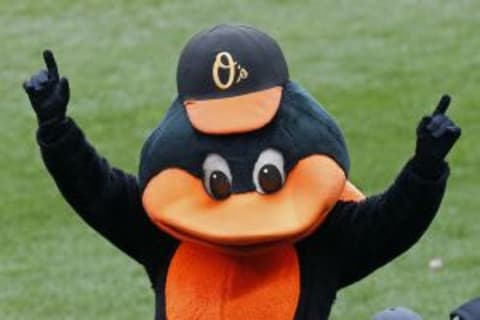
(436, 135)
(48, 93)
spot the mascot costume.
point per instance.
(242, 207)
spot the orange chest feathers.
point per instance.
(205, 284)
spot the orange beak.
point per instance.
(178, 204)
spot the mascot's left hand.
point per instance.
(436, 135)
(48, 93)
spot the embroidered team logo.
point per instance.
(226, 71)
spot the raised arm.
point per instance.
(106, 198)
(372, 232)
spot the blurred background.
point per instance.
(377, 66)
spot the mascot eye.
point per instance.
(268, 172)
(217, 177)
(220, 187)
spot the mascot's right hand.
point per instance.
(48, 93)
(436, 135)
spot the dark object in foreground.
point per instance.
(467, 311)
(398, 313)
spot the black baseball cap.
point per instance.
(230, 79)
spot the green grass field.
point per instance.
(378, 66)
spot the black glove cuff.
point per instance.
(50, 131)
(428, 169)
(51, 120)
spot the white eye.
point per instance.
(217, 177)
(269, 172)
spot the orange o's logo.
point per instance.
(235, 72)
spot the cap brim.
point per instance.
(237, 114)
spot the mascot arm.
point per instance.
(106, 198)
(374, 231)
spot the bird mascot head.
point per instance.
(244, 159)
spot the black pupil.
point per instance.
(270, 178)
(219, 185)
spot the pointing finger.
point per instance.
(51, 64)
(442, 105)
